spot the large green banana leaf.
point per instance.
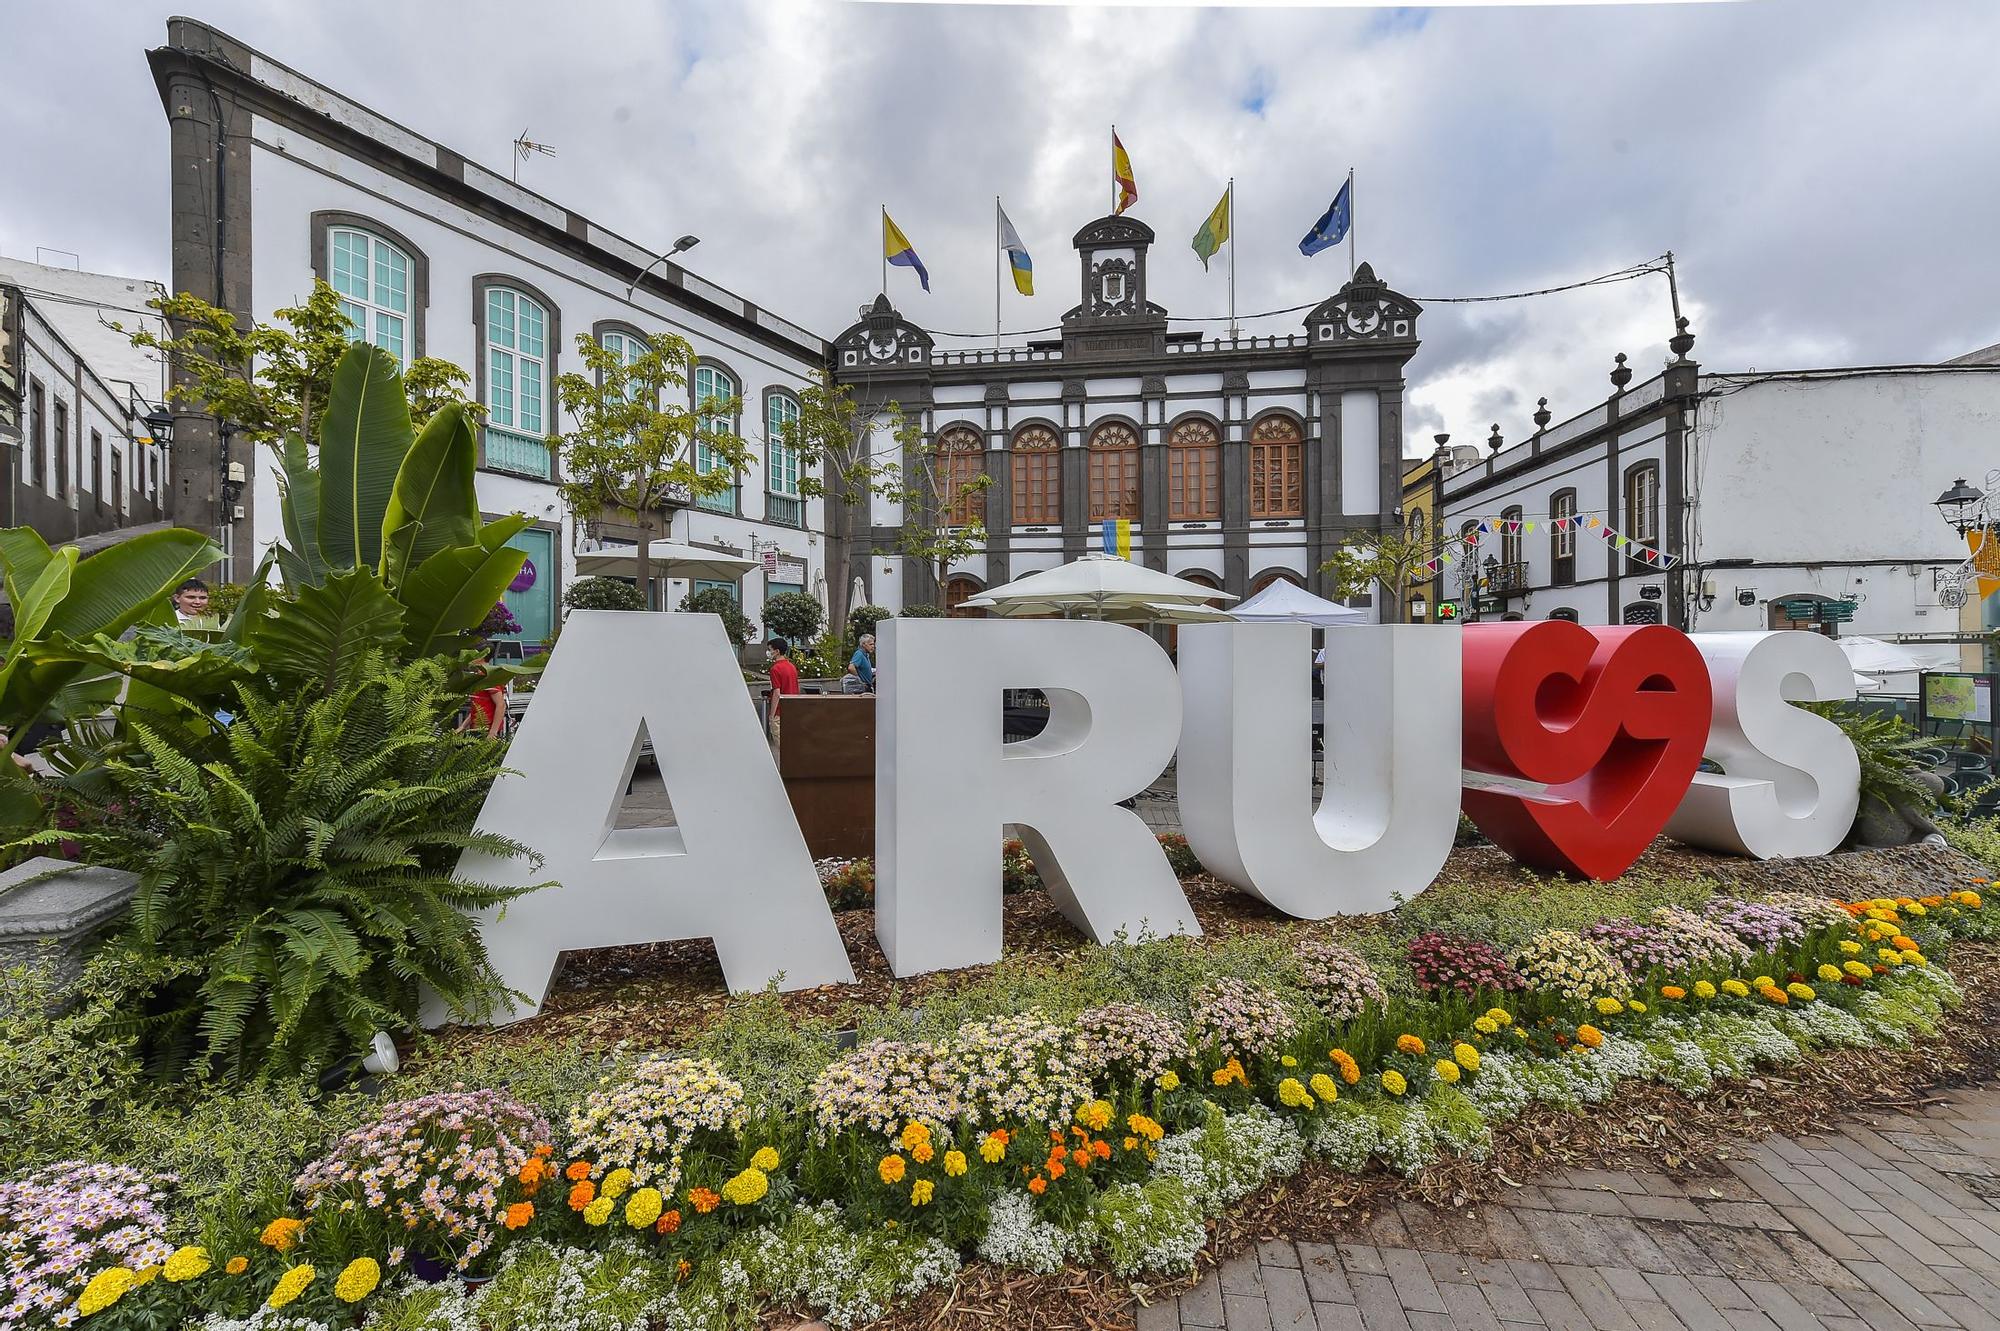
(206, 674)
(322, 636)
(256, 602)
(433, 506)
(363, 438)
(115, 588)
(23, 554)
(447, 595)
(299, 501)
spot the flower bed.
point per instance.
(681, 1192)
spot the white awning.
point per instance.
(667, 560)
(1285, 602)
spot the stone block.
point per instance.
(50, 910)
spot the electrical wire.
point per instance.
(1626, 274)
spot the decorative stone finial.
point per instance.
(1621, 374)
(1494, 441)
(1541, 414)
(1682, 341)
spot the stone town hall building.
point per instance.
(1237, 460)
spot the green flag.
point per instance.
(1214, 232)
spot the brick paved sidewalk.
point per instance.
(1892, 1225)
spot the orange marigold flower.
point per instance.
(1056, 1169)
(682, 1270)
(922, 1152)
(578, 1170)
(1673, 991)
(1409, 1044)
(1350, 1071)
(519, 1214)
(1101, 1149)
(1589, 1036)
(236, 1266)
(1081, 1156)
(668, 1222)
(281, 1233)
(1903, 944)
(891, 1168)
(1131, 1143)
(582, 1195)
(1038, 1185)
(704, 1200)
(544, 1151)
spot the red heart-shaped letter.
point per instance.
(1611, 720)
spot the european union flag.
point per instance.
(1331, 229)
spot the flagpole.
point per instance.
(885, 249)
(1231, 214)
(996, 277)
(1350, 224)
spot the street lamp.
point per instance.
(1958, 506)
(681, 246)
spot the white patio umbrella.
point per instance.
(1147, 612)
(1101, 585)
(1285, 602)
(667, 560)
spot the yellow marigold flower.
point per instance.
(921, 1192)
(1608, 1007)
(1500, 1015)
(1131, 1143)
(1144, 1127)
(766, 1159)
(1393, 1083)
(1828, 973)
(1232, 1071)
(1323, 1087)
(1703, 989)
(1849, 946)
(1916, 908)
(1409, 1044)
(1736, 988)
(913, 1134)
(1485, 1025)
(106, 1288)
(1911, 955)
(1636, 1005)
(1888, 954)
(185, 1264)
(1343, 1062)
(1589, 1036)
(1860, 970)
(615, 1183)
(1446, 1070)
(236, 1266)
(891, 1169)
(281, 1233)
(1170, 1080)
(643, 1207)
(358, 1280)
(1967, 899)
(1288, 1061)
(290, 1285)
(1467, 1056)
(599, 1211)
(954, 1163)
(1293, 1094)
(747, 1188)
(1761, 982)
(992, 1149)
(1096, 1115)
(1803, 992)
(1672, 992)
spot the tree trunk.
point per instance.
(646, 559)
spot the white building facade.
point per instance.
(1236, 460)
(1796, 499)
(434, 255)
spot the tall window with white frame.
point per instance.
(517, 384)
(373, 279)
(712, 385)
(1642, 507)
(783, 503)
(1562, 538)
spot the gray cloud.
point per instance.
(1823, 169)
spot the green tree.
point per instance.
(602, 594)
(274, 380)
(721, 601)
(837, 440)
(635, 446)
(1393, 558)
(793, 616)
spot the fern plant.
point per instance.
(1886, 747)
(307, 877)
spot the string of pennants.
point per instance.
(1597, 527)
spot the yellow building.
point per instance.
(1420, 514)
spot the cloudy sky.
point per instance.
(1827, 172)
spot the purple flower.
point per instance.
(1462, 965)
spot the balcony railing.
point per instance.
(518, 453)
(1507, 579)
(786, 510)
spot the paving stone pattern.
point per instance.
(1893, 1224)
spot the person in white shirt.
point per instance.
(191, 606)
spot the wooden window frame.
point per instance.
(1035, 454)
(961, 461)
(1277, 468)
(1113, 472)
(1194, 451)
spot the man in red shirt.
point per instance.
(784, 680)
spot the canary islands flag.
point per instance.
(1214, 233)
(1017, 253)
(897, 249)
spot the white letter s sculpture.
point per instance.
(945, 782)
(1791, 781)
(735, 867)
(1389, 810)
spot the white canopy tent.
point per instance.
(1285, 602)
(1892, 667)
(1101, 587)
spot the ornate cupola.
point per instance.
(1364, 310)
(882, 340)
(1115, 318)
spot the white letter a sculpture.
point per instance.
(735, 867)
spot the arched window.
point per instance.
(373, 279)
(1114, 472)
(1194, 473)
(517, 382)
(1277, 469)
(1037, 464)
(783, 501)
(1562, 538)
(1269, 576)
(713, 386)
(1642, 503)
(1414, 528)
(1564, 613)
(1510, 535)
(961, 461)
(956, 591)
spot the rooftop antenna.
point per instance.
(524, 146)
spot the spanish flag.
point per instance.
(896, 249)
(1121, 175)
